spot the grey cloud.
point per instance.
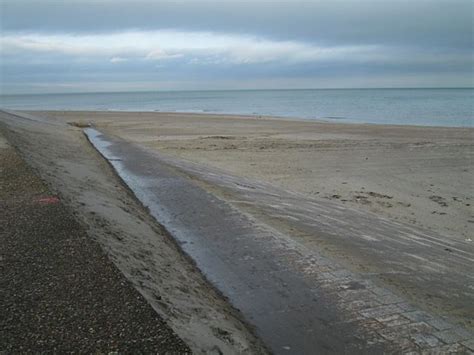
(418, 42)
(422, 22)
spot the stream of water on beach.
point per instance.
(430, 107)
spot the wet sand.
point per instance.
(417, 175)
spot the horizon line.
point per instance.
(230, 90)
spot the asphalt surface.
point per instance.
(59, 293)
(298, 300)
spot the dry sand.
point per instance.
(417, 175)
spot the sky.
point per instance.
(49, 46)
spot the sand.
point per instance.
(137, 245)
(418, 175)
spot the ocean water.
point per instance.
(430, 107)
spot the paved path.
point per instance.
(298, 300)
(426, 263)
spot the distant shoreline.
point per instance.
(414, 107)
(229, 90)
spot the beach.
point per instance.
(417, 175)
(266, 177)
(116, 224)
(254, 233)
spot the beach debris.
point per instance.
(48, 200)
(376, 194)
(362, 199)
(385, 204)
(439, 200)
(80, 124)
(219, 137)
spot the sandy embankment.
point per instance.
(54, 277)
(417, 175)
(137, 245)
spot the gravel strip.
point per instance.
(58, 290)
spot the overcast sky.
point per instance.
(113, 45)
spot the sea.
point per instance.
(426, 107)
